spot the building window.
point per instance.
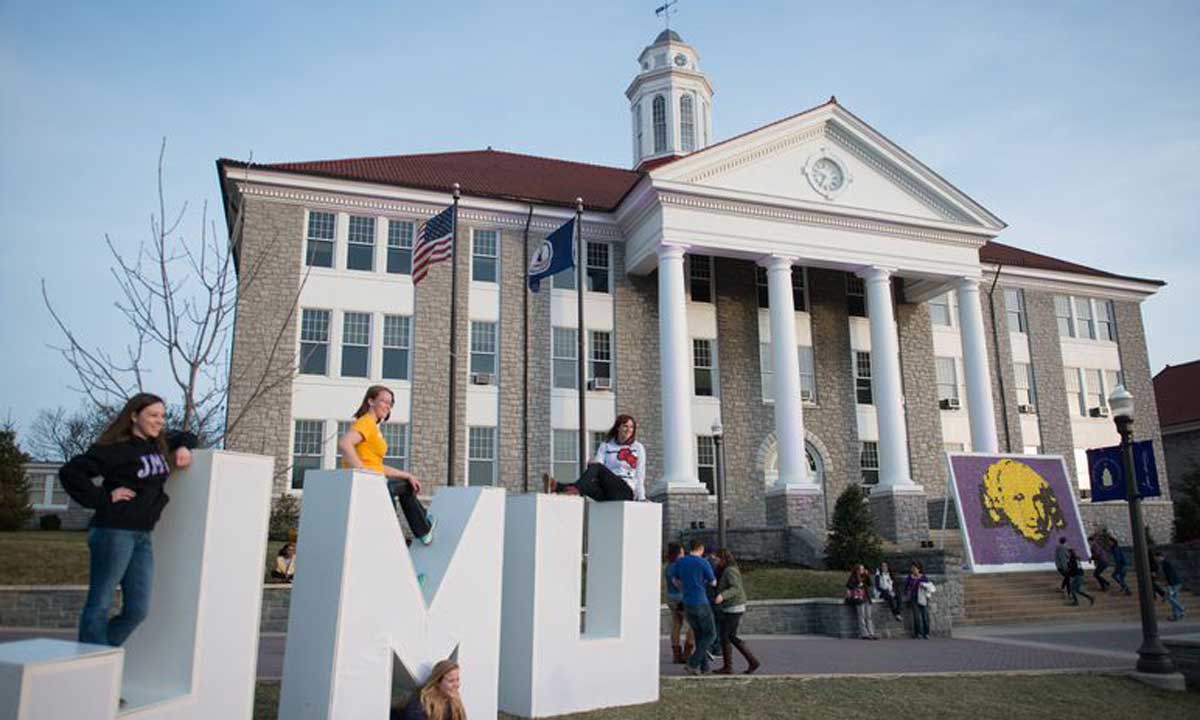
(799, 295)
(939, 311)
(1014, 305)
(400, 242)
(356, 344)
(484, 252)
(601, 354)
(659, 117)
(1113, 379)
(766, 367)
(565, 463)
(1095, 396)
(856, 296)
(808, 374)
(314, 342)
(563, 351)
(704, 121)
(319, 252)
(306, 449)
(597, 267)
(1026, 392)
(947, 378)
(702, 367)
(868, 458)
(637, 131)
(1106, 321)
(397, 339)
(1084, 326)
(360, 248)
(343, 427)
(481, 456)
(706, 462)
(1062, 312)
(862, 378)
(1074, 391)
(953, 447)
(700, 277)
(564, 279)
(396, 437)
(483, 347)
(764, 290)
(687, 122)
(46, 492)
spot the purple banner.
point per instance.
(1016, 507)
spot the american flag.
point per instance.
(435, 242)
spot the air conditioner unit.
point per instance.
(482, 379)
(1026, 409)
(600, 383)
(1098, 412)
(806, 396)
(949, 404)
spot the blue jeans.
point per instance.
(1173, 598)
(117, 556)
(700, 617)
(920, 615)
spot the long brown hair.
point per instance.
(372, 393)
(612, 431)
(726, 558)
(120, 428)
(437, 704)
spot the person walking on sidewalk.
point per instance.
(731, 605)
(1120, 563)
(1099, 549)
(1061, 553)
(675, 604)
(1075, 577)
(858, 597)
(692, 575)
(885, 588)
(1174, 584)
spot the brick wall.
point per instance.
(1045, 354)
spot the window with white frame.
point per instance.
(808, 374)
(762, 286)
(1074, 391)
(356, 344)
(307, 446)
(1014, 307)
(400, 246)
(1084, 326)
(953, 447)
(767, 369)
(360, 245)
(637, 131)
(868, 459)
(564, 349)
(397, 340)
(485, 248)
(862, 378)
(343, 427)
(1095, 395)
(947, 378)
(939, 311)
(598, 437)
(1113, 379)
(564, 279)
(1062, 313)
(703, 367)
(799, 291)
(1106, 321)
(565, 461)
(601, 354)
(46, 492)
(319, 247)
(706, 462)
(597, 267)
(856, 296)
(396, 437)
(687, 122)
(700, 278)
(659, 117)
(483, 347)
(1023, 379)
(314, 342)
(481, 456)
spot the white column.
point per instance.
(675, 369)
(885, 382)
(785, 359)
(980, 410)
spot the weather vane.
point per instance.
(666, 10)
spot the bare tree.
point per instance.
(60, 434)
(178, 298)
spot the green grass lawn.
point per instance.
(978, 698)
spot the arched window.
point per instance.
(687, 122)
(816, 466)
(637, 131)
(659, 111)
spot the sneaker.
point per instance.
(691, 670)
(427, 538)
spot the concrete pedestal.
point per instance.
(901, 514)
(685, 507)
(796, 507)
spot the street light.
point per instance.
(717, 432)
(1152, 656)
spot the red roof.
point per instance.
(482, 173)
(1001, 254)
(1177, 390)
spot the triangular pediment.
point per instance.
(828, 156)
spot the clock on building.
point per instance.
(827, 174)
(681, 60)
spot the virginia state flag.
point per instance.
(554, 255)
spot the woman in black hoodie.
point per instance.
(134, 458)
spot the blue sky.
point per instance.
(1075, 122)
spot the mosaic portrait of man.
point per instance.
(1013, 493)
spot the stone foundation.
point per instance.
(1157, 515)
(796, 508)
(901, 517)
(685, 509)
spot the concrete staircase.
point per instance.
(1031, 597)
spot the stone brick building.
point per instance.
(843, 310)
(1177, 389)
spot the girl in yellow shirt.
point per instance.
(364, 448)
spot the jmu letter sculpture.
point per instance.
(502, 580)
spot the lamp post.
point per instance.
(1152, 656)
(717, 435)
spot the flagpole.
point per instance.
(453, 339)
(580, 262)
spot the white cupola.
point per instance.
(670, 101)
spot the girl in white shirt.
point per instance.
(617, 472)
